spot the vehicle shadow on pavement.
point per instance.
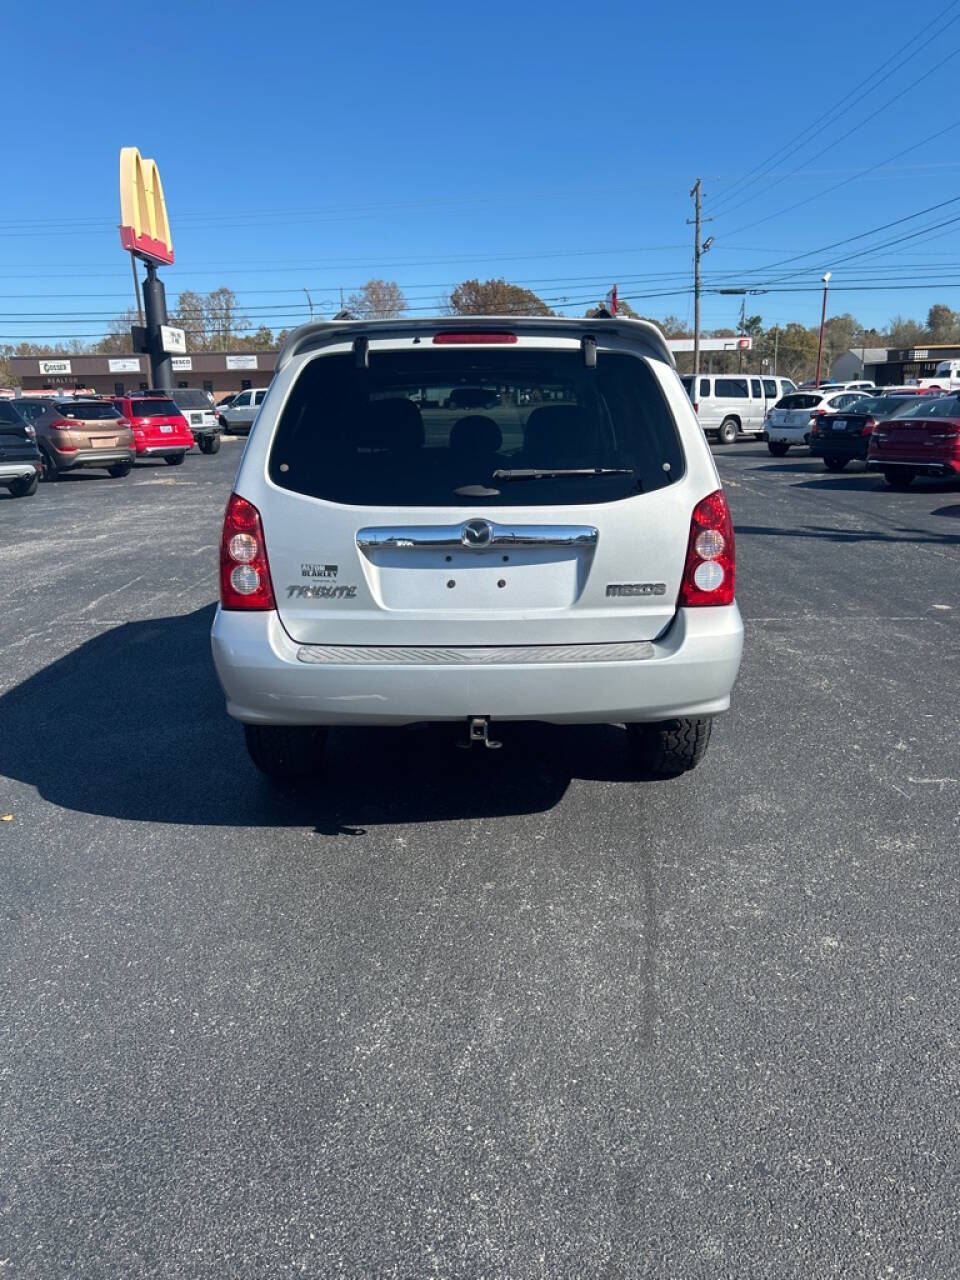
(831, 534)
(131, 725)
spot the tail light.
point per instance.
(696, 407)
(30, 431)
(709, 574)
(64, 424)
(244, 571)
(869, 427)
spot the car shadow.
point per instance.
(953, 512)
(131, 725)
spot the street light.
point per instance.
(823, 320)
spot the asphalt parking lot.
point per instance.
(464, 1014)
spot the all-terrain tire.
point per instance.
(671, 747)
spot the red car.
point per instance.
(921, 440)
(159, 428)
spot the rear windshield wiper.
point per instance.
(536, 473)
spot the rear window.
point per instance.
(731, 388)
(31, 409)
(403, 433)
(883, 404)
(86, 410)
(154, 408)
(190, 398)
(929, 407)
(799, 400)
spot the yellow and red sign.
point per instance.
(144, 225)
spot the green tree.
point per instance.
(941, 323)
(377, 300)
(495, 298)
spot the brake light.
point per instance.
(696, 407)
(481, 339)
(64, 424)
(869, 427)
(244, 571)
(709, 574)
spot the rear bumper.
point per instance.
(18, 470)
(691, 671)
(946, 467)
(839, 448)
(93, 457)
(161, 450)
(786, 435)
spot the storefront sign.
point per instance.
(144, 226)
(124, 364)
(182, 364)
(50, 367)
(241, 362)
(173, 341)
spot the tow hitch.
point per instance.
(478, 730)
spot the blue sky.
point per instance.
(312, 145)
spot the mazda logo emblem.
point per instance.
(476, 533)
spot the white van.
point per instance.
(731, 405)
(390, 555)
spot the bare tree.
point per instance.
(377, 300)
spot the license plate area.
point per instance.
(166, 430)
(102, 442)
(456, 580)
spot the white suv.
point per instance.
(791, 419)
(392, 554)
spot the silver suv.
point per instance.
(395, 552)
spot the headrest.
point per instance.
(392, 424)
(475, 434)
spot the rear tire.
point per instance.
(669, 748)
(286, 751)
(25, 487)
(835, 464)
(119, 470)
(728, 431)
(173, 459)
(50, 472)
(209, 444)
(899, 479)
(778, 450)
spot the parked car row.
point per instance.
(46, 436)
(903, 433)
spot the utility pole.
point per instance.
(776, 347)
(309, 302)
(698, 251)
(823, 321)
(743, 325)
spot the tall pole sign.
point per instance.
(145, 234)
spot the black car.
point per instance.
(839, 437)
(20, 459)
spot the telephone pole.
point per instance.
(698, 252)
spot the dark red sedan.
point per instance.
(921, 440)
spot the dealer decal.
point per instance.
(318, 571)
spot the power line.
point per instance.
(842, 138)
(798, 140)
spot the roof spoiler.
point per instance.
(360, 333)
